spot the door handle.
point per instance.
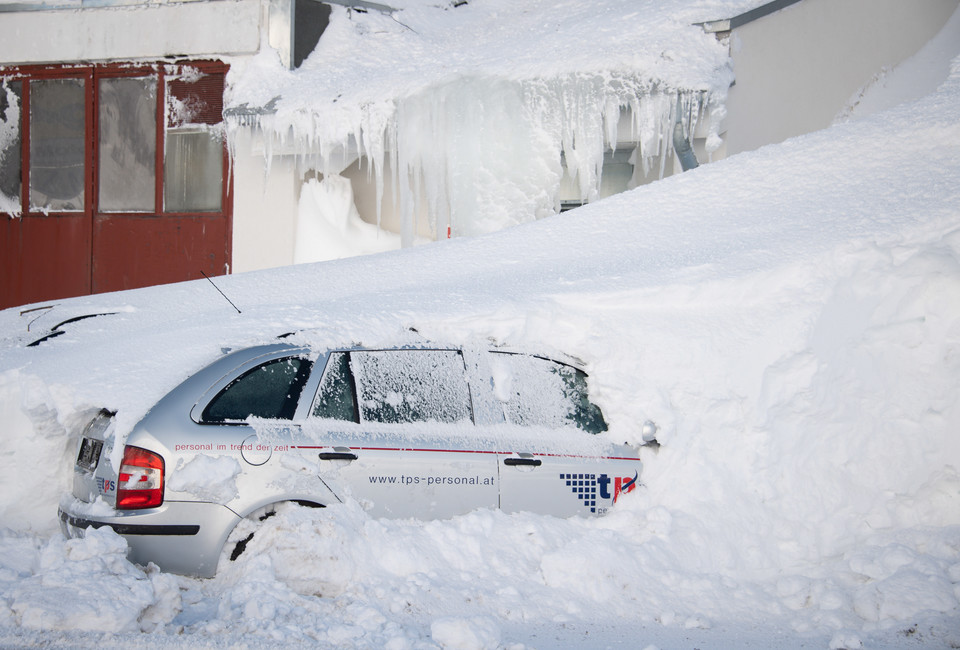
(530, 462)
(337, 455)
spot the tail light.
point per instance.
(140, 484)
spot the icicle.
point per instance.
(479, 154)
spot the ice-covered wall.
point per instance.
(478, 154)
(459, 121)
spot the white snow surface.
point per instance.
(209, 478)
(329, 226)
(789, 317)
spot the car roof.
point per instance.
(304, 340)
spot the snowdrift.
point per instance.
(790, 318)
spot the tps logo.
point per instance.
(105, 485)
(586, 487)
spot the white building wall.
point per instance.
(797, 68)
(186, 29)
(264, 205)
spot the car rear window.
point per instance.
(270, 390)
(541, 392)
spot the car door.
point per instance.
(394, 429)
(553, 460)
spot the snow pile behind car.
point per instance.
(790, 318)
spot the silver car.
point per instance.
(422, 431)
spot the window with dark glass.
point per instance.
(271, 391)
(540, 392)
(11, 99)
(57, 151)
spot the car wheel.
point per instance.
(242, 534)
(244, 531)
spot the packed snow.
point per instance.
(329, 226)
(790, 319)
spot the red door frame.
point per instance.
(47, 253)
(49, 256)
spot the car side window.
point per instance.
(540, 392)
(335, 398)
(396, 386)
(270, 390)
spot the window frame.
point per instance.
(130, 73)
(91, 74)
(351, 388)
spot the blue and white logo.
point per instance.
(587, 487)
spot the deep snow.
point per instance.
(789, 317)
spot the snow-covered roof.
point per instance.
(365, 58)
(425, 90)
(734, 21)
(536, 83)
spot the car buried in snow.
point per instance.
(415, 431)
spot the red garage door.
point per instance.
(111, 177)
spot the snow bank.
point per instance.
(81, 584)
(790, 318)
(30, 466)
(207, 478)
(329, 226)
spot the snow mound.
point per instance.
(790, 318)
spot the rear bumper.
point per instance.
(180, 536)
(73, 527)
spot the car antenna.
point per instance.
(221, 293)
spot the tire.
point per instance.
(243, 533)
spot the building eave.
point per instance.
(15, 7)
(717, 26)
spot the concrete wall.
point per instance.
(264, 205)
(391, 220)
(797, 68)
(187, 29)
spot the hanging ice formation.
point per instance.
(479, 154)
